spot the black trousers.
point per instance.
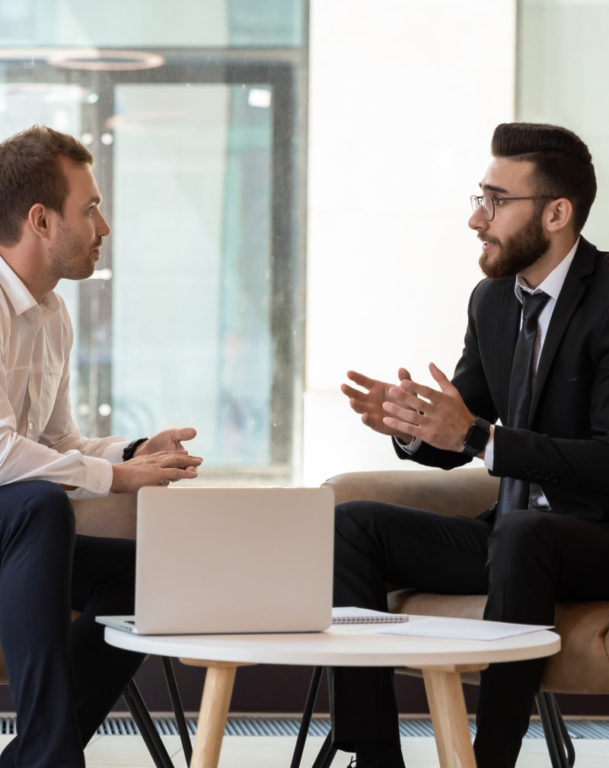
(64, 677)
(526, 562)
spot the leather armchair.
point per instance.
(582, 666)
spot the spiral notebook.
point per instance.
(352, 615)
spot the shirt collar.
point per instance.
(18, 294)
(553, 283)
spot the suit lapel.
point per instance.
(571, 294)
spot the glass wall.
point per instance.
(196, 114)
(562, 60)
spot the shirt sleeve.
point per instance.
(60, 455)
(410, 448)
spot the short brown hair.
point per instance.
(30, 173)
(563, 163)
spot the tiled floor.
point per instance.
(276, 751)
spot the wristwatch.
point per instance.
(132, 447)
(477, 437)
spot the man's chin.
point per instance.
(492, 268)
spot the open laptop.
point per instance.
(225, 560)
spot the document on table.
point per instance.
(462, 629)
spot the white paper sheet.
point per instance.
(464, 629)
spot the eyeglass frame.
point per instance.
(476, 202)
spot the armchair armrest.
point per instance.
(113, 516)
(467, 492)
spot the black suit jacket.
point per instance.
(566, 447)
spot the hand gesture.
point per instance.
(159, 468)
(438, 417)
(168, 440)
(369, 403)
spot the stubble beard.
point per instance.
(518, 252)
(70, 259)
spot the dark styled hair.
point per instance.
(30, 173)
(563, 163)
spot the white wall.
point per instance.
(404, 95)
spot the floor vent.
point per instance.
(117, 725)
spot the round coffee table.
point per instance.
(440, 659)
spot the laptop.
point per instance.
(228, 560)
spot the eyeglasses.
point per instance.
(489, 203)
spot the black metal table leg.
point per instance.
(178, 709)
(560, 747)
(306, 717)
(147, 729)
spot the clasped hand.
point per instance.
(410, 410)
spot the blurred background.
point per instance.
(287, 184)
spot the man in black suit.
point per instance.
(548, 537)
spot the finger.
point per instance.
(351, 392)
(408, 415)
(443, 381)
(359, 378)
(420, 390)
(399, 429)
(406, 399)
(182, 433)
(180, 460)
(403, 374)
(173, 474)
(357, 406)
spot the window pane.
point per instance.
(192, 268)
(155, 23)
(194, 314)
(563, 57)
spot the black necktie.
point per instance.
(514, 494)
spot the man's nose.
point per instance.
(478, 219)
(103, 228)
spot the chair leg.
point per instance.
(560, 746)
(149, 733)
(566, 739)
(306, 717)
(178, 709)
(326, 753)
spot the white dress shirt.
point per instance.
(38, 437)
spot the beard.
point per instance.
(518, 251)
(70, 257)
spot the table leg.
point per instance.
(215, 702)
(449, 717)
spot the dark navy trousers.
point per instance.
(63, 676)
(526, 562)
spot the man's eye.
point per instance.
(499, 201)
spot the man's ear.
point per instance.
(38, 220)
(558, 214)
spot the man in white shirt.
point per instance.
(530, 396)
(64, 678)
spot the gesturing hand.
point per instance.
(438, 417)
(168, 440)
(369, 402)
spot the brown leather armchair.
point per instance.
(582, 666)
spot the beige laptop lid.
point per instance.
(234, 560)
